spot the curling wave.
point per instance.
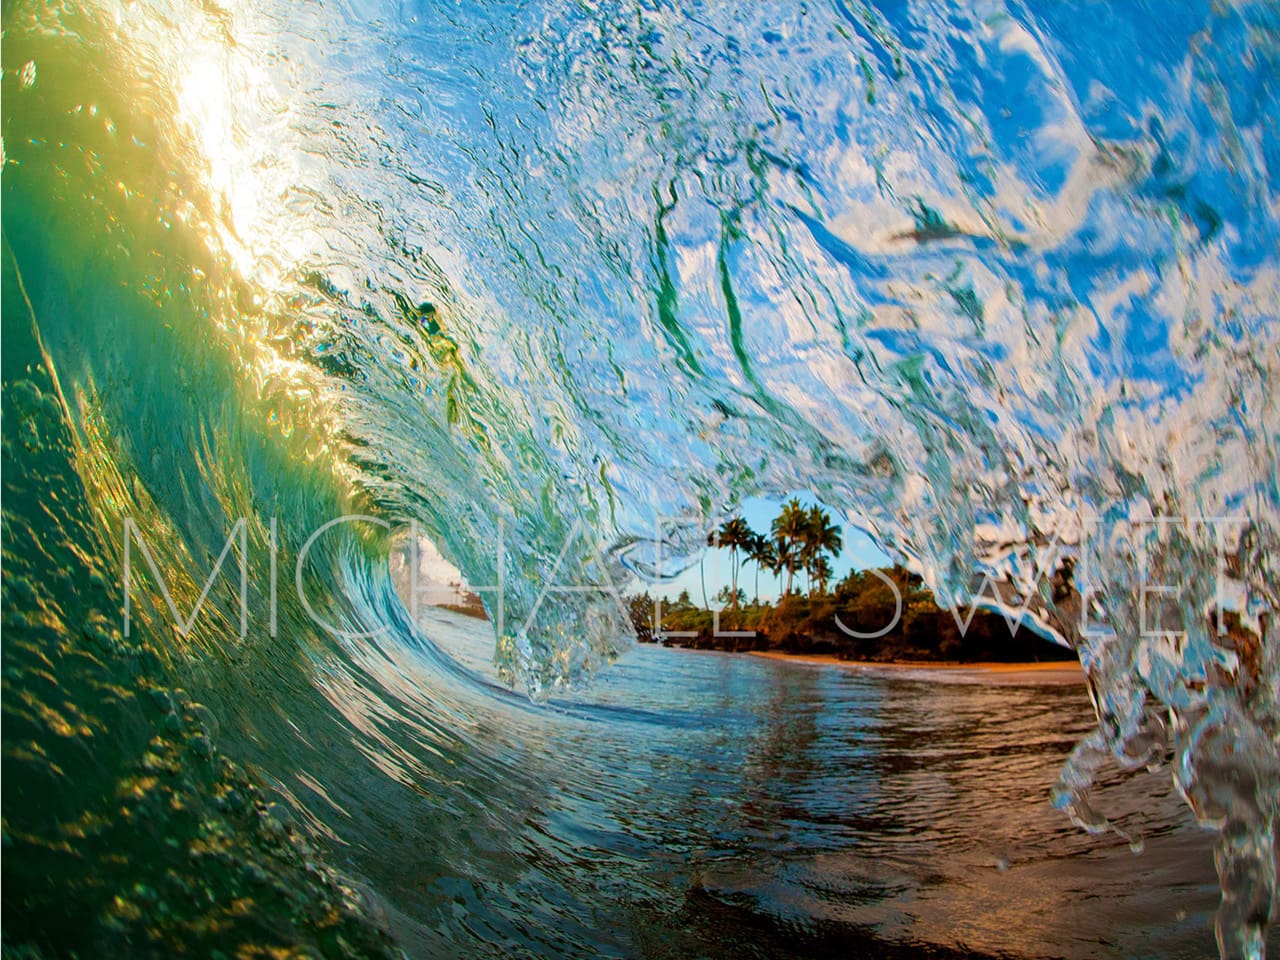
(999, 284)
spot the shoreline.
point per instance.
(1061, 671)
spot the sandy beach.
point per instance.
(1042, 672)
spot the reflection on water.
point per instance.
(752, 807)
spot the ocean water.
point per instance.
(556, 289)
(784, 809)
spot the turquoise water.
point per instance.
(558, 289)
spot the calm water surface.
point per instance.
(812, 810)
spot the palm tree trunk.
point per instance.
(733, 560)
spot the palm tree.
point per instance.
(788, 534)
(736, 534)
(821, 536)
(822, 573)
(808, 553)
(785, 557)
(760, 552)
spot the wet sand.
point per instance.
(1041, 672)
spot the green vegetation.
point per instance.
(878, 615)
